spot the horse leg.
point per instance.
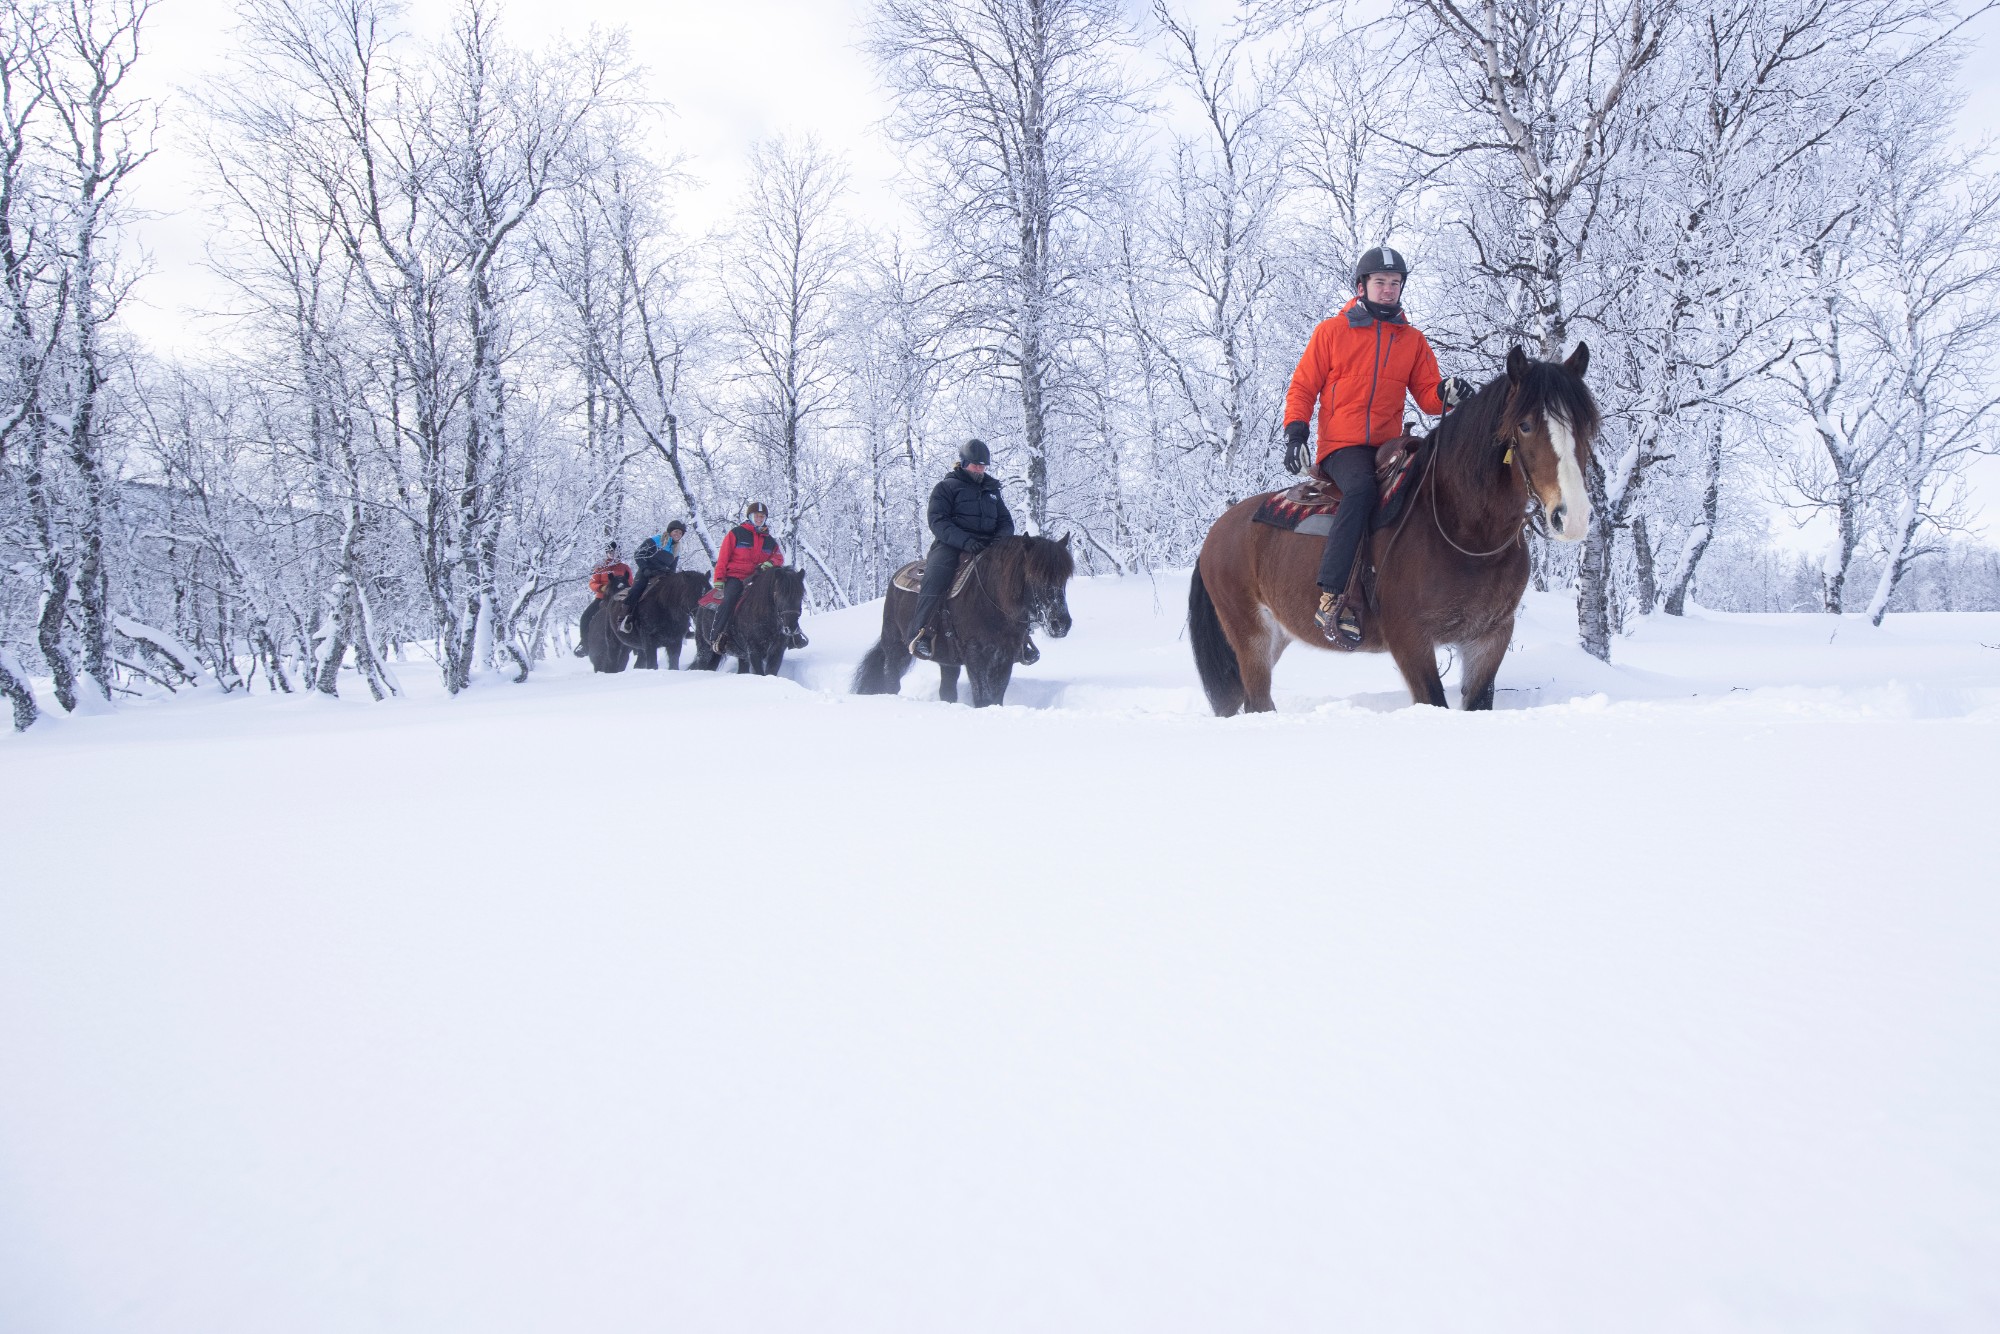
(997, 681)
(649, 656)
(1258, 645)
(948, 682)
(1482, 663)
(1416, 658)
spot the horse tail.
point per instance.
(1214, 658)
(872, 676)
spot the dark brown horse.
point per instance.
(766, 620)
(607, 653)
(1451, 570)
(661, 620)
(1018, 583)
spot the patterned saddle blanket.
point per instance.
(911, 577)
(1307, 508)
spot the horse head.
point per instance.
(1551, 422)
(788, 596)
(1048, 566)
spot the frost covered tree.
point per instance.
(782, 284)
(1895, 370)
(1018, 112)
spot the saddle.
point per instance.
(1307, 508)
(911, 577)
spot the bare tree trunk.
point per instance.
(15, 688)
(1647, 592)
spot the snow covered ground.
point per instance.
(1666, 997)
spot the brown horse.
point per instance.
(661, 620)
(1451, 570)
(1019, 582)
(607, 653)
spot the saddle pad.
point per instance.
(1307, 508)
(712, 598)
(911, 577)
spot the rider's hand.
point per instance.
(1454, 391)
(765, 566)
(1295, 446)
(974, 545)
(717, 585)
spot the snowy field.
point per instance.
(1664, 998)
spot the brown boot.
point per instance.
(1339, 620)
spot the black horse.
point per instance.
(1018, 582)
(765, 622)
(661, 619)
(607, 653)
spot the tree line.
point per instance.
(468, 341)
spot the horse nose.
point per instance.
(1557, 516)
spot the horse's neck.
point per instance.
(1483, 514)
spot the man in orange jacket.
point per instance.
(1359, 365)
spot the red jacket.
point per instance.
(606, 571)
(1359, 368)
(743, 550)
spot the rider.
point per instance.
(966, 516)
(660, 554)
(746, 549)
(1360, 364)
(610, 574)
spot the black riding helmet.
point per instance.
(1381, 260)
(974, 451)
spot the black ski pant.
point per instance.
(940, 566)
(732, 589)
(1352, 469)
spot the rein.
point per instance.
(1520, 466)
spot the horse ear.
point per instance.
(1517, 363)
(1065, 541)
(1579, 360)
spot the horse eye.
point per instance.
(1527, 428)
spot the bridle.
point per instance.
(1534, 513)
(1035, 605)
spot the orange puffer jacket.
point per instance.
(1359, 368)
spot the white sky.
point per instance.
(734, 71)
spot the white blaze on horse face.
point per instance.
(1575, 502)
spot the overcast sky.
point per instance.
(734, 71)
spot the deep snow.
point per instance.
(1665, 998)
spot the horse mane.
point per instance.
(1043, 564)
(1546, 389)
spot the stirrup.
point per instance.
(1030, 655)
(923, 644)
(1338, 620)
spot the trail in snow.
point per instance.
(1665, 998)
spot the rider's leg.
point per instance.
(632, 597)
(1353, 471)
(939, 568)
(732, 589)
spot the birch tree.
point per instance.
(1018, 112)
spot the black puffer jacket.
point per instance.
(966, 512)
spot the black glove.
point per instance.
(1295, 446)
(1455, 391)
(974, 545)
